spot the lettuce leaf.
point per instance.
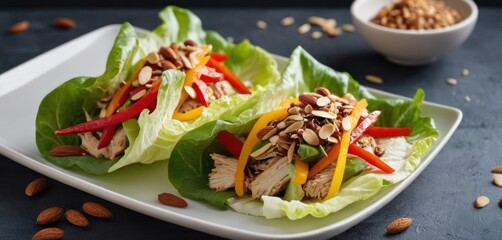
(190, 163)
(153, 136)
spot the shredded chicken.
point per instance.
(318, 186)
(273, 180)
(222, 176)
(116, 146)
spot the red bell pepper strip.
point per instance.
(364, 125)
(119, 117)
(211, 77)
(370, 158)
(220, 57)
(385, 132)
(230, 142)
(229, 76)
(200, 88)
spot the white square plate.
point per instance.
(23, 88)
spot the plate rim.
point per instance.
(207, 226)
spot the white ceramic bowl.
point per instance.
(412, 47)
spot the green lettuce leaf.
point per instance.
(152, 136)
(190, 163)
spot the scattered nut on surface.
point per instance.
(467, 99)
(287, 21)
(451, 81)
(500, 202)
(172, 200)
(348, 27)
(260, 24)
(399, 225)
(316, 35)
(304, 28)
(465, 72)
(36, 186)
(374, 79)
(19, 27)
(497, 169)
(51, 233)
(481, 201)
(64, 23)
(497, 180)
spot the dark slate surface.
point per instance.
(439, 200)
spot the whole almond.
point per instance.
(497, 169)
(36, 186)
(67, 151)
(48, 234)
(172, 200)
(64, 23)
(96, 210)
(76, 218)
(50, 215)
(399, 225)
(308, 99)
(19, 27)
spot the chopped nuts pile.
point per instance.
(417, 15)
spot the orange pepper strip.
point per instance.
(301, 171)
(336, 182)
(251, 140)
(115, 102)
(325, 161)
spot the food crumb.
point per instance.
(348, 28)
(452, 81)
(374, 79)
(305, 28)
(287, 21)
(465, 72)
(260, 24)
(481, 201)
(467, 99)
(316, 35)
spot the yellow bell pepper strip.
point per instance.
(286, 103)
(117, 101)
(251, 140)
(336, 182)
(301, 171)
(370, 158)
(190, 115)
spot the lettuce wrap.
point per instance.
(152, 135)
(191, 164)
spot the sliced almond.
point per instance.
(260, 24)
(323, 114)
(451, 81)
(295, 117)
(465, 72)
(261, 150)
(291, 152)
(186, 61)
(190, 91)
(348, 28)
(266, 132)
(145, 75)
(346, 124)
(332, 139)
(323, 101)
(274, 139)
(497, 180)
(326, 131)
(153, 58)
(304, 28)
(310, 137)
(316, 35)
(138, 94)
(481, 201)
(293, 127)
(374, 79)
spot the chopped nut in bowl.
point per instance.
(414, 32)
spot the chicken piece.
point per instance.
(318, 186)
(273, 180)
(222, 176)
(116, 146)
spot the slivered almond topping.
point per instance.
(145, 75)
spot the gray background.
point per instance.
(439, 200)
